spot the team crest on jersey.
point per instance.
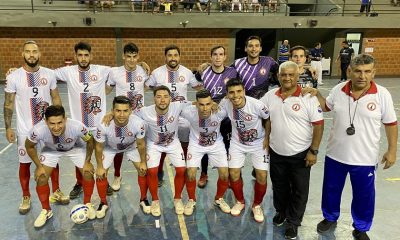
(130, 134)
(139, 78)
(214, 124)
(43, 81)
(189, 156)
(40, 109)
(296, 107)
(171, 119)
(248, 118)
(248, 135)
(93, 78)
(319, 109)
(371, 106)
(93, 105)
(265, 110)
(68, 140)
(22, 152)
(33, 136)
(181, 78)
(263, 71)
(42, 158)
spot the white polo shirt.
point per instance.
(374, 107)
(292, 120)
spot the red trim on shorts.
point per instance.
(321, 122)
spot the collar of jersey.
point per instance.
(295, 94)
(372, 89)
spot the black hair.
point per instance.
(54, 111)
(252, 38)
(203, 93)
(216, 47)
(316, 44)
(234, 82)
(298, 47)
(82, 46)
(161, 88)
(131, 48)
(121, 100)
(171, 47)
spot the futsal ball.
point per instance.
(79, 214)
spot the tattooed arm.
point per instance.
(8, 112)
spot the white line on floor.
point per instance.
(7, 147)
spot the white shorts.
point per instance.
(259, 157)
(109, 154)
(50, 158)
(23, 156)
(173, 150)
(183, 130)
(216, 155)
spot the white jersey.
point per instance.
(177, 81)
(373, 109)
(162, 129)
(74, 130)
(247, 128)
(86, 92)
(203, 132)
(123, 138)
(292, 121)
(32, 95)
(129, 84)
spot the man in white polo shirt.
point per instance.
(359, 107)
(295, 130)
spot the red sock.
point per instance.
(162, 158)
(221, 188)
(185, 146)
(142, 180)
(24, 176)
(43, 193)
(55, 178)
(191, 189)
(78, 176)
(152, 181)
(88, 186)
(179, 181)
(237, 188)
(117, 164)
(259, 192)
(102, 189)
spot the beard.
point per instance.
(32, 65)
(83, 66)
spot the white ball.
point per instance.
(79, 213)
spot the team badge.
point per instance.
(93, 78)
(22, 152)
(263, 71)
(42, 158)
(171, 119)
(214, 123)
(189, 156)
(248, 118)
(296, 107)
(68, 140)
(43, 81)
(139, 78)
(181, 78)
(130, 134)
(371, 106)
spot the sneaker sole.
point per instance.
(236, 215)
(24, 211)
(45, 222)
(331, 228)
(53, 200)
(155, 215)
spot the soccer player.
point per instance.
(162, 120)
(61, 138)
(248, 133)
(294, 131)
(360, 106)
(129, 80)
(205, 138)
(306, 79)
(214, 78)
(124, 134)
(177, 78)
(33, 88)
(86, 95)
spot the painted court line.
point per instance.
(7, 147)
(181, 218)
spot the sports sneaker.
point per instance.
(258, 214)
(325, 226)
(222, 205)
(189, 207)
(179, 208)
(42, 218)
(155, 208)
(237, 209)
(59, 197)
(359, 235)
(75, 191)
(291, 231)
(25, 205)
(91, 212)
(116, 184)
(110, 191)
(101, 211)
(145, 206)
(203, 180)
(278, 219)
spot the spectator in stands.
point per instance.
(135, 2)
(188, 4)
(365, 6)
(167, 6)
(105, 4)
(272, 5)
(246, 5)
(224, 5)
(255, 5)
(236, 3)
(284, 52)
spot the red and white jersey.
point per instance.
(32, 95)
(162, 129)
(74, 130)
(177, 81)
(292, 121)
(86, 92)
(123, 138)
(203, 132)
(374, 108)
(247, 128)
(129, 84)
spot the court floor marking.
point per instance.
(7, 147)
(181, 218)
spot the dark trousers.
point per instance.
(365, 6)
(290, 184)
(343, 68)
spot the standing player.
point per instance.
(59, 136)
(33, 88)
(214, 78)
(246, 114)
(162, 137)
(177, 78)
(205, 138)
(125, 134)
(86, 86)
(316, 56)
(129, 80)
(345, 56)
(306, 79)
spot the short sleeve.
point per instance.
(34, 135)
(315, 111)
(10, 85)
(262, 110)
(53, 80)
(151, 82)
(193, 81)
(100, 135)
(61, 74)
(388, 111)
(111, 78)
(141, 133)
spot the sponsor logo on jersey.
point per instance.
(92, 105)
(207, 140)
(248, 136)
(136, 100)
